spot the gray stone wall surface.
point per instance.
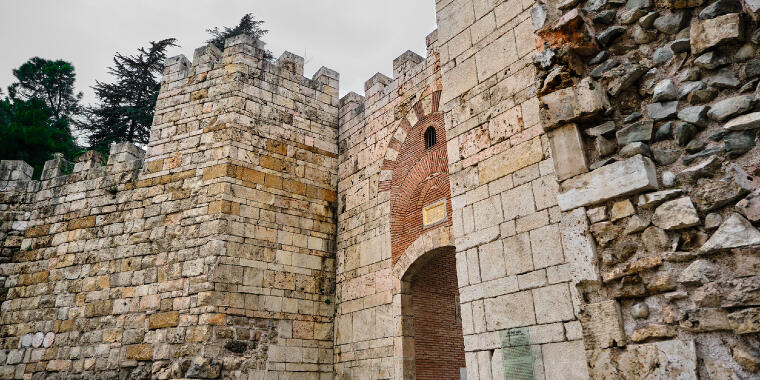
(661, 223)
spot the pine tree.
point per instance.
(125, 111)
(36, 117)
(29, 133)
(52, 82)
(248, 25)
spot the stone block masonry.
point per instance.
(512, 268)
(557, 190)
(211, 255)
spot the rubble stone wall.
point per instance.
(654, 105)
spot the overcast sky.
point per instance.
(357, 38)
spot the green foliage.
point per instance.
(29, 133)
(125, 111)
(35, 118)
(248, 25)
(51, 82)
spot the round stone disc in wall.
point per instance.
(38, 338)
(49, 338)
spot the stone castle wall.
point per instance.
(369, 340)
(519, 312)
(212, 254)
(589, 210)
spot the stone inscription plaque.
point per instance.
(434, 213)
(516, 354)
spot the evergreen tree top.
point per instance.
(51, 82)
(125, 111)
(248, 26)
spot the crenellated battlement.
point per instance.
(405, 67)
(405, 63)
(16, 175)
(242, 54)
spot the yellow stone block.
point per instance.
(510, 160)
(139, 352)
(163, 320)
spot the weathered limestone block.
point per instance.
(579, 246)
(744, 122)
(162, 320)
(139, 352)
(602, 325)
(291, 62)
(509, 311)
(714, 194)
(698, 272)
(750, 206)
(747, 261)
(650, 200)
(747, 358)
(204, 368)
(705, 319)
(55, 167)
(621, 209)
(743, 291)
(605, 232)
(745, 321)
(553, 304)
(708, 33)
(631, 267)
(567, 151)
(735, 232)
(511, 160)
(672, 359)
(633, 175)
(565, 360)
(654, 331)
(495, 56)
(583, 100)
(676, 214)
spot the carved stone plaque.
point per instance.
(434, 213)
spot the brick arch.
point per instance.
(414, 174)
(416, 254)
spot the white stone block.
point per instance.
(546, 246)
(509, 311)
(492, 261)
(565, 360)
(567, 151)
(517, 254)
(633, 175)
(553, 304)
(579, 246)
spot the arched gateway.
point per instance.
(429, 341)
